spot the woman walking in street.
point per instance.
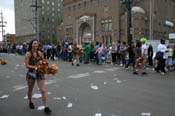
(32, 56)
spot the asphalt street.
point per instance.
(87, 90)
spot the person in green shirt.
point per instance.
(86, 52)
(170, 56)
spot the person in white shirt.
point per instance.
(161, 49)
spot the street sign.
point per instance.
(172, 36)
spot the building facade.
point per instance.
(49, 17)
(91, 20)
(106, 20)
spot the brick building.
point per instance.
(106, 20)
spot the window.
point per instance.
(106, 25)
(53, 3)
(48, 2)
(59, 4)
(58, 10)
(53, 14)
(53, 9)
(43, 13)
(53, 20)
(102, 25)
(110, 25)
(74, 7)
(43, 1)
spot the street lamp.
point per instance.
(129, 19)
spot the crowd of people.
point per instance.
(138, 53)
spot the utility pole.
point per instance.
(2, 25)
(129, 19)
(36, 6)
(151, 19)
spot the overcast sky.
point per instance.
(7, 7)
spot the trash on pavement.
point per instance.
(94, 87)
(98, 114)
(146, 114)
(40, 108)
(69, 105)
(36, 96)
(4, 96)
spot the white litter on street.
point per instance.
(26, 97)
(4, 96)
(99, 71)
(19, 87)
(47, 82)
(36, 96)
(57, 98)
(94, 87)
(49, 93)
(79, 76)
(7, 76)
(112, 69)
(104, 83)
(118, 81)
(69, 105)
(17, 65)
(146, 114)
(40, 108)
(98, 114)
(64, 97)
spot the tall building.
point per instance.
(106, 20)
(49, 17)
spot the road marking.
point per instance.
(79, 76)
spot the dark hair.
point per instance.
(162, 41)
(30, 45)
(138, 44)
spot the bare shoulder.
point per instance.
(27, 54)
(40, 53)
